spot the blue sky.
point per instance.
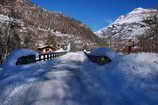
(95, 13)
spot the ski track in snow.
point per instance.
(73, 80)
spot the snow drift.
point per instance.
(74, 80)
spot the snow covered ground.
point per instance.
(74, 80)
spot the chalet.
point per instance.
(47, 49)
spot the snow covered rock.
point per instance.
(104, 52)
(4, 18)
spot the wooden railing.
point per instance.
(41, 57)
(49, 56)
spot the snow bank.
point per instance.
(142, 64)
(11, 60)
(73, 80)
(104, 52)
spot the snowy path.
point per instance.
(62, 83)
(73, 80)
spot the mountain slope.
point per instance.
(74, 80)
(134, 25)
(130, 25)
(26, 25)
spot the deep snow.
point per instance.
(74, 80)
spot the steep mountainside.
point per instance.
(139, 25)
(25, 25)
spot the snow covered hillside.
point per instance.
(30, 26)
(130, 25)
(74, 80)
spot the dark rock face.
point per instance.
(25, 25)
